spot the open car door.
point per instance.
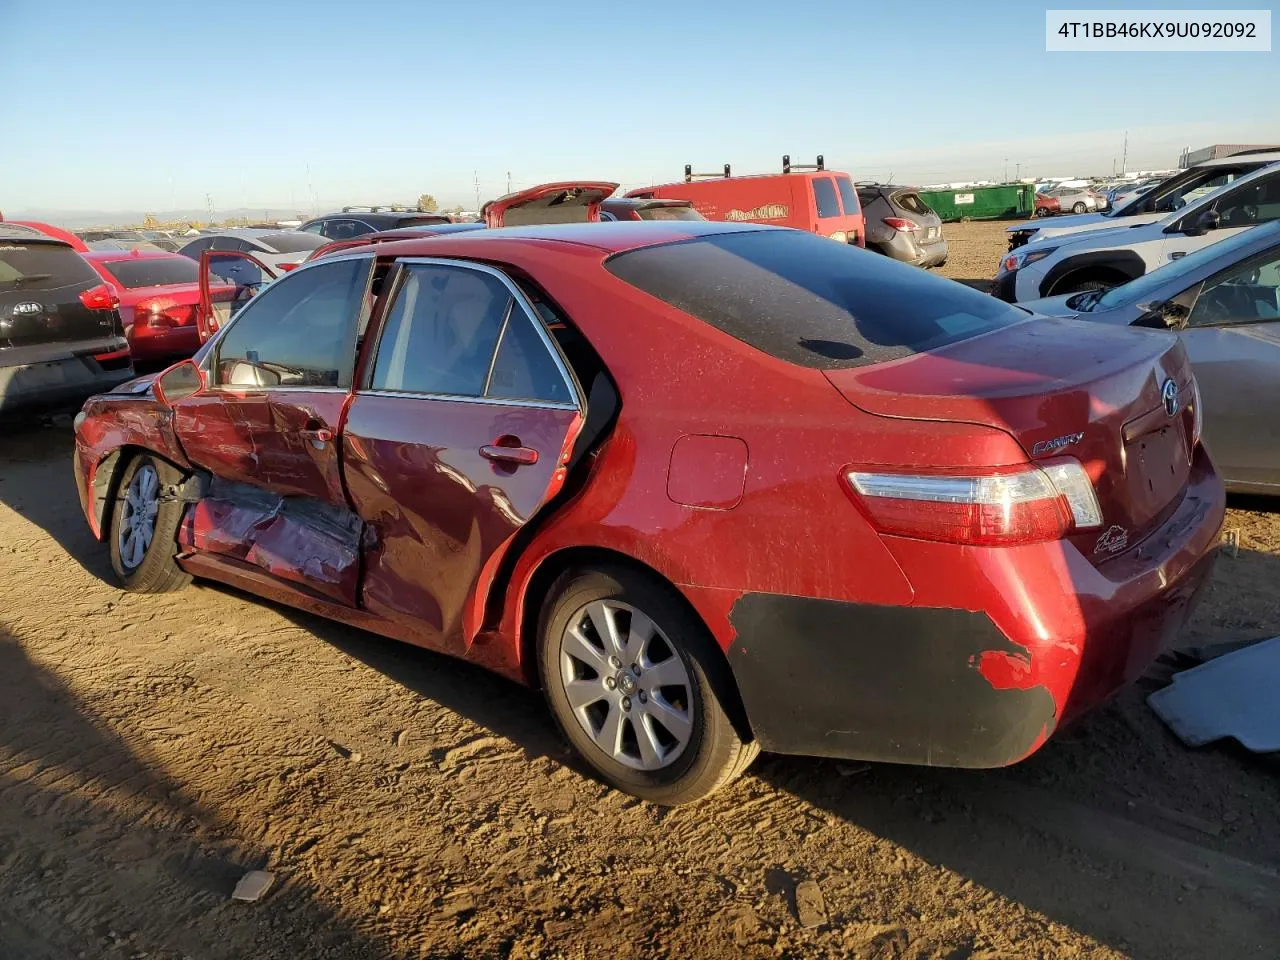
(567, 202)
(228, 280)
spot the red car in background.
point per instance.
(803, 196)
(713, 487)
(159, 295)
(1046, 206)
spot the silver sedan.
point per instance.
(1223, 301)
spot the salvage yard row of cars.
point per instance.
(541, 443)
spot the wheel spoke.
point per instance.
(583, 693)
(609, 736)
(650, 748)
(676, 722)
(578, 647)
(666, 673)
(638, 637)
(606, 628)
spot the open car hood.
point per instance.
(572, 201)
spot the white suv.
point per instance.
(1103, 258)
(1164, 198)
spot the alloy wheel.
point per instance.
(138, 518)
(626, 685)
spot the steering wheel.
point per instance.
(1250, 212)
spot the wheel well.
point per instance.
(105, 487)
(597, 558)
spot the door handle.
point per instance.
(1177, 255)
(502, 453)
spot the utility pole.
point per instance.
(208, 202)
(508, 181)
(1124, 163)
(476, 175)
(1017, 170)
(1006, 169)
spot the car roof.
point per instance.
(14, 231)
(608, 237)
(1266, 156)
(111, 256)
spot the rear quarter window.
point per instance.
(41, 266)
(803, 299)
(848, 198)
(154, 271)
(824, 195)
(912, 203)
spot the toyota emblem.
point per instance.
(1169, 397)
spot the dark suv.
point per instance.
(61, 338)
(901, 225)
(357, 221)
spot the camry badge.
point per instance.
(27, 308)
(1056, 444)
(1169, 397)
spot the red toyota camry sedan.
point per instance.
(713, 488)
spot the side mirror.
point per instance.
(1209, 220)
(180, 381)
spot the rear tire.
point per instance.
(144, 528)
(1079, 208)
(650, 721)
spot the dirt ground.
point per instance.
(154, 748)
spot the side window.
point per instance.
(197, 247)
(824, 193)
(299, 332)
(1257, 202)
(443, 330)
(1247, 293)
(317, 227)
(848, 199)
(344, 229)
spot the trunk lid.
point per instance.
(1060, 388)
(567, 202)
(40, 285)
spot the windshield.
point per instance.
(803, 299)
(675, 212)
(292, 242)
(1178, 191)
(41, 266)
(1150, 284)
(154, 271)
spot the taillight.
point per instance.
(901, 223)
(286, 267)
(100, 297)
(163, 312)
(1023, 505)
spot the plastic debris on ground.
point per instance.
(1233, 695)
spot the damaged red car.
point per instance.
(713, 488)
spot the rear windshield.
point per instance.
(154, 271)
(669, 213)
(912, 203)
(41, 266)
(848, 198)
(825, 195)
(292, 242)
(419, 221)
(808, 301)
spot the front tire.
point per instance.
(634, 683)
(144, 528)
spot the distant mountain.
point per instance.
(100, 218)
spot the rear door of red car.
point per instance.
(458, 432)
(268, 429)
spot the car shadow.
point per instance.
(118, 883)
(36, 481)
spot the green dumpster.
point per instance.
(1005, 202)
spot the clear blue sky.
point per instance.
(145, 105)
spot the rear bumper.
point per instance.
(991, 659)
(38, 385)
(904, 247)
(151, 343)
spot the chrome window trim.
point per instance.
(463, 398)
(210, 364)
(530, 314)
